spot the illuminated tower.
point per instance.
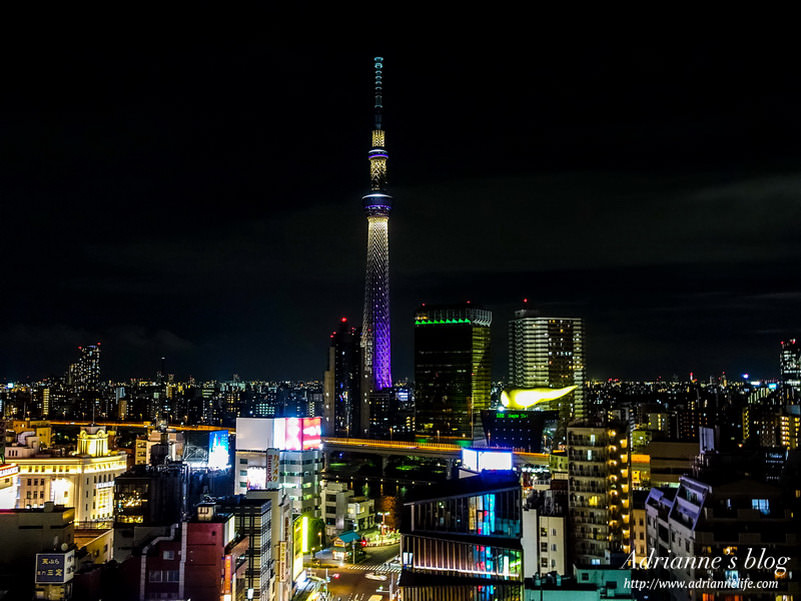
(375, 342)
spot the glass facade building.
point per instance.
(342, 382)
(451, 368)
(463, 542)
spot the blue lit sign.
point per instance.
(218, 449)
(54, 568)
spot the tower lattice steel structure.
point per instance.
(376, 349)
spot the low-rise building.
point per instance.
(26, 532)
(83, 480)
(203, 559)
(462, 540)
(732, 520)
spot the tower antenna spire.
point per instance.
(378, 107)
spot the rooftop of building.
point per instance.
(251, 501)
(349, 536)
(49, 507)
(464, 313)
(486, 481)
(149, 471)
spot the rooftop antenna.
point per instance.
(378, 65)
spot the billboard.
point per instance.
(54, 568)
(477, 460)
(294, 435)
(300, 530)
(218, 449)
(283, 433)
(254, 434)
(312, 432)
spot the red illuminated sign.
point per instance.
(293, 440)
(228, 573)
(8, 469)
(312, 431)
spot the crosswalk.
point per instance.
(383, 568)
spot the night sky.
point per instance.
(199, 197)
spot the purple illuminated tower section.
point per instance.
(377, 204)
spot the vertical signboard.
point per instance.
(54, 568)
(272, 475)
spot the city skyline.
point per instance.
(158, 222)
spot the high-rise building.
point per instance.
(548, 352)
(375, 342)
(84, 374)
(599, 501)
(791, 364)
(341, 383)
(451, 368)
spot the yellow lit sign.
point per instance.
(525, 398)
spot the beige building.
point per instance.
(599, 498)
(39, 428)
(552, 543)
(98, 542)
(173, 439)
(83, 480)
(9, 485)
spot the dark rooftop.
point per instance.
(484, 482)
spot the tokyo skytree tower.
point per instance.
(376, 349)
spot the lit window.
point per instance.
(761, 505)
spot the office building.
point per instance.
(462, 541)
(83, 480)
(281, 453)
(376, 349)
(342, 383)
(265, 518)
(548, 352)
(148, 495)
(451, 368)
(791, 364)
